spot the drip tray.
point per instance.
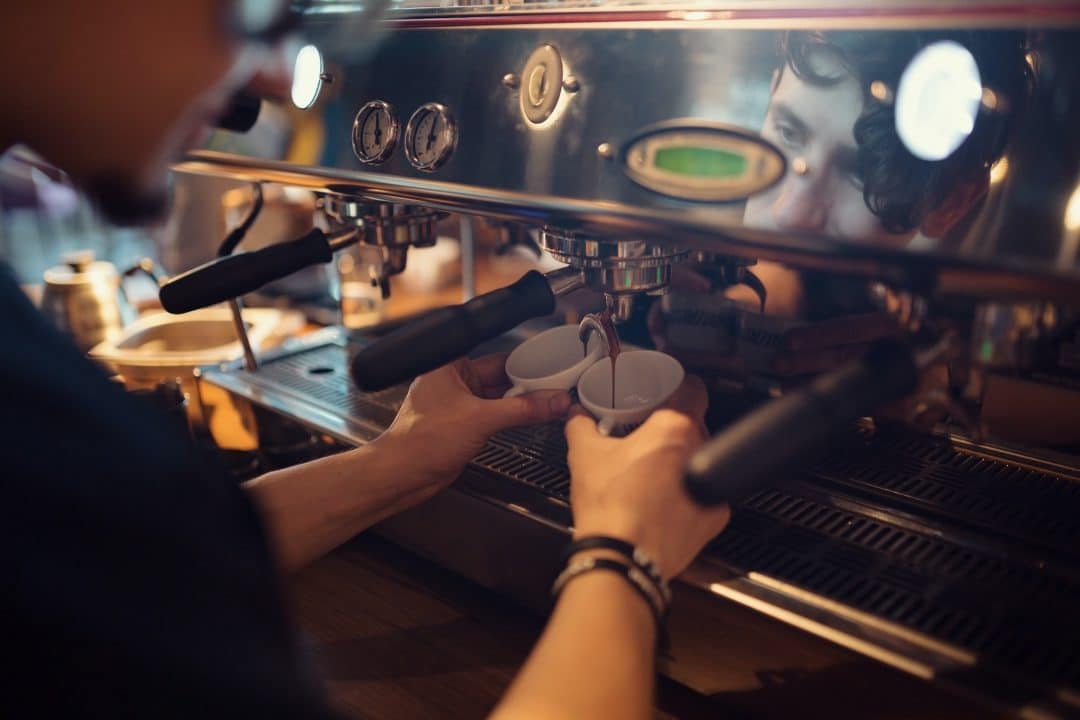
(975, 556)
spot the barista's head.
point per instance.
(849, 174)
(111, 91)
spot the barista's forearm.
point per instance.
(312, 508)
(595, 658)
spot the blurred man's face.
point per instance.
(821, 193)
(121, 90)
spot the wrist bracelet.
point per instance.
(633, 575)
(635, 555)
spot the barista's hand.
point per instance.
(632, 488)
(450, 413)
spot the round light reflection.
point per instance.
(307, 77)
(938, 100)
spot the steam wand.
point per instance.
(227, 247)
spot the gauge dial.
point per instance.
(375, 132)
(430, 137)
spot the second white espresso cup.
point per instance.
(643, 380)
(551, 360)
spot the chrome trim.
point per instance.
(1041, 460)
(904, 651)
(436, 8)
(612, 253)
(614, 266)
(565, 280)
(964, 13)
(708, 228)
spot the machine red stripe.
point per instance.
(1068, 12)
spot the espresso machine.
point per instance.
(927, 559)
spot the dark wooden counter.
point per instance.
(396, 637)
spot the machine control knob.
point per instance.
(542, 84)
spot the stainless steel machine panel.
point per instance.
(605, 79)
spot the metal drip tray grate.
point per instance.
(321, 376)
(533, 456)
(1014, 613)
(900, 526)
(1027, 505)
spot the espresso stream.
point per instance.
(612, 338)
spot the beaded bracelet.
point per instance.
(635, 555)
(633, 575)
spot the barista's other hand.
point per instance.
(632, 488)
(449, 414)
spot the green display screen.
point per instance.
(700, 162)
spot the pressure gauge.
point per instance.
(430, 137)
(375, 132)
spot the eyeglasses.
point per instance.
(265, 21)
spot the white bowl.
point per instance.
(551, 360)
(643, 380)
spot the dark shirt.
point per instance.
(139, 582)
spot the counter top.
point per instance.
(395, 636)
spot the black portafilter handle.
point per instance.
(235, 275)
(448, 333)
(751, 453)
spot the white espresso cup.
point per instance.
(551, 360)
(643, 380)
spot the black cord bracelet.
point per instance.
(635, 555)
(633, 575)
(598, 542)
